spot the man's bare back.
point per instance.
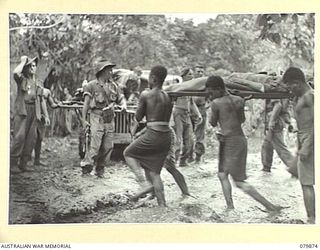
(229, 111)
(156, 105)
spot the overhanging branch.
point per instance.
(39, 27)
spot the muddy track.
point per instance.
(57, 193)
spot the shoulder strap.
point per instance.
(107, 91)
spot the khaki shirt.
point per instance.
(101, 95)
(182, 103)
(28, 91)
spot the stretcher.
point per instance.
(246, 85)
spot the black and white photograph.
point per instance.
(161, 118)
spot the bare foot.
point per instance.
(276, 208)
(272, 209)
(188, 195)
(131, 197)
(229, 208)
(151, 197)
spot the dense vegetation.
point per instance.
(226, 43)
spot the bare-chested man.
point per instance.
(150, 150)
(304, 112)
(228, 111)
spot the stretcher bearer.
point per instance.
(150, 150)
(304, 113)
(228, 111)
(29, 105)
(100, 96)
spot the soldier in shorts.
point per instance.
(100, 96)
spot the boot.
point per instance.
(37, 162)
(198, 158)
(190, 159)
(86, 170)
(14, 165)
(183, 163)
(100, 171)
(23, 164)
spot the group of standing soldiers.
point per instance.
(153, 147)
(31, 115)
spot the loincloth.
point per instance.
(233, 157)
(150, 149)
(306, 164)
